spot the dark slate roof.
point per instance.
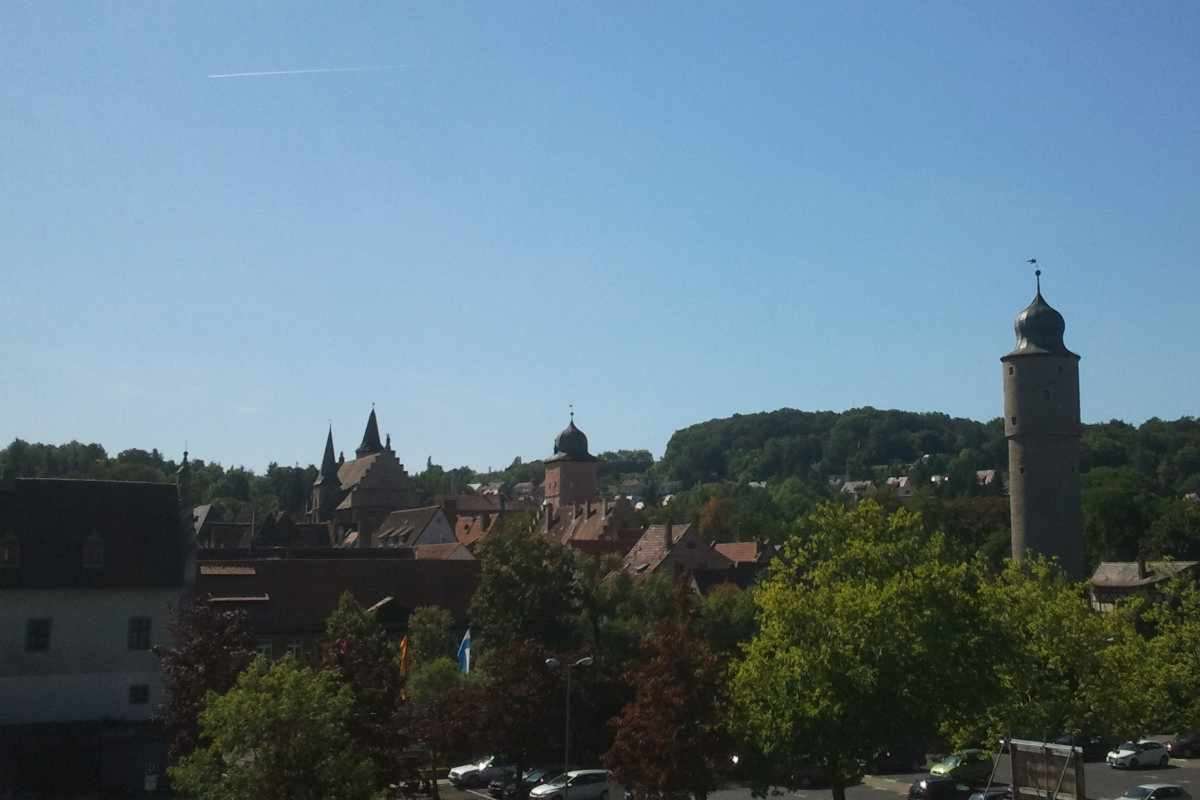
(571, 445)
(139, 525)
(1040, 328)
(404, 526)
(329, 465)
(370, 441)
(296, 595)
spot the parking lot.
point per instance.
(1103, 783)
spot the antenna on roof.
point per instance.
(571, 406)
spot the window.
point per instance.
(10, 551)
(263, 649)
(139, 633)
(37, 635)
(1014, 420)
(93, 552)
(294, 649)
(139, 694)
(1013, 370)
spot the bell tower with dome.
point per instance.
(1041, 423)
(571, 473)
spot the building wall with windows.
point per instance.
(94, 662)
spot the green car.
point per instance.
(966, 766)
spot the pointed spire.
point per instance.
(370, 441)
(328, 462)
(1037, 276)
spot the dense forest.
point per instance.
(751, 476)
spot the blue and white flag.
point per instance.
(464, 652)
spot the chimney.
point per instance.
(667, 528)
(1143, 573)
(450, 509)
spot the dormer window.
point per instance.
(93, 552)
(10, 552)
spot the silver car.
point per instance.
(1155, 791)
(482, 772)
(579, 784)
(1146, 753)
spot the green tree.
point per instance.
(867, 635)
(430, 634)
(358, 651)
(726, 618)
(431, 682)
(518, 703)
(281, 733)
(527, 589)
(1052, 658)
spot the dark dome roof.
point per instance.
(1040, 328)
(571, 445)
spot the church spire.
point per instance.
(328, 461)
(370, 441)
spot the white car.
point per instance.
(1155, 791)
(1145, 753)
(579, 784)
(482, 772)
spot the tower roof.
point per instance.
(328, 462)
(1040, 328)
(370, 441)
(571, 444)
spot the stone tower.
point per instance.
(1041, 423)
(571, 473)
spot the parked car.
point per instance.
(1095, 748)
(482, 772)
(506, 786)
(578, 784)
(994, 793)
(1185, 745)
(1146, 753)
(938, 787)
(1155, 791)
(966, 766)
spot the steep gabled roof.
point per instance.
(135, 527)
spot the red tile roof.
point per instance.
(740, 552)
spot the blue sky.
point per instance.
(663, 213)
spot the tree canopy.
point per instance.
(281, 733)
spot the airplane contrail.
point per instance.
(296, 72)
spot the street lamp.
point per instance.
(554, 663)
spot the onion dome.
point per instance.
(1039, 327)
(571, 444)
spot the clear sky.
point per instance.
(662, 212)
